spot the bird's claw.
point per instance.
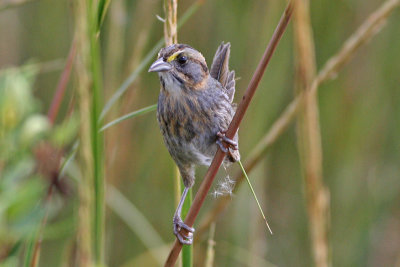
(221, 138)
(178, 226)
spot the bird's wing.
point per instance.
(220, 69)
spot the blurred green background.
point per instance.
(359, 117)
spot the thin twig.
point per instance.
(233, 127)
(364, 33)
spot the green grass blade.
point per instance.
(15, 249)
(29, 252)
(145, 62)
(254, 194)
(101, 13)
(130, 115)
(69, 159)
(187, 251)
(30, 259)
(97, 138)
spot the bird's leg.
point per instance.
(221, 138)
(179, 224)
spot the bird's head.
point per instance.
(180, 66)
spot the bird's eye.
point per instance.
(182, 59)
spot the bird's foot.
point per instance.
(221, 138)
(178, 226)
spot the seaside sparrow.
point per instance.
(194, 110)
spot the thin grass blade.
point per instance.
(255, 196)
(130, 116)
(101, 13)
(187, 251)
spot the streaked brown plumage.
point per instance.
(194, 110)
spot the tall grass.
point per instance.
(354, 125)
(91, 226)
(86, 192)
(309, 136)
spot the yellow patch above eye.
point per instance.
(173, 57)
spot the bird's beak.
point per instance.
(159, 66)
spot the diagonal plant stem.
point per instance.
(371, 26)
(129, 116)
(91, 189)
(365, 32)
(255, 196)
(233, 127)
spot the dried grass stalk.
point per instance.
(170, 25)
(309, 136)
(84, 232)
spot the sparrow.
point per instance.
(194, 111)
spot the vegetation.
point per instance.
(85, 179)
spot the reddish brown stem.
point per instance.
(233, 127)
(62, 85)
